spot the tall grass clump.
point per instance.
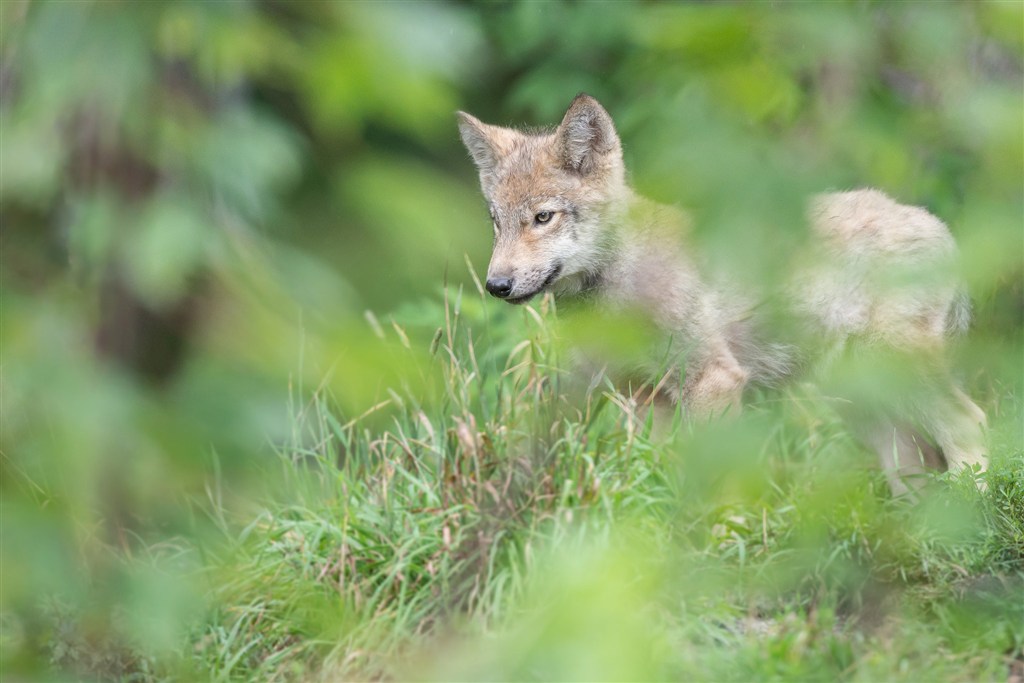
(513, 522)
(431, 517)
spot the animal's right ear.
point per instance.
(486, 144)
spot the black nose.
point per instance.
(500, 287)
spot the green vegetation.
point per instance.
(507, 534)
(218, 464)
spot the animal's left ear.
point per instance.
(586, 136)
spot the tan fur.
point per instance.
(877, 277)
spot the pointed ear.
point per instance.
(586, 135)
(486, 144)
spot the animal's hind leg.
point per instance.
(971, 407)
(958, 426)
(904, 454)
(715, 387)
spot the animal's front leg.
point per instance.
(714, 386)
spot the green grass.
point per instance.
(513, 528)
(513, 525)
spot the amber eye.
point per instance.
(544, 216)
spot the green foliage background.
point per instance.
(201, 201)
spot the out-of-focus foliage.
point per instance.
(201, 200)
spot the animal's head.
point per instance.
(551, 196)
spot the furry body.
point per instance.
(566, 221)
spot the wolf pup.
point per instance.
(566, 221)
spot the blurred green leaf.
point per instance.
(31, 161)
(247, 157)
(167, 249)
